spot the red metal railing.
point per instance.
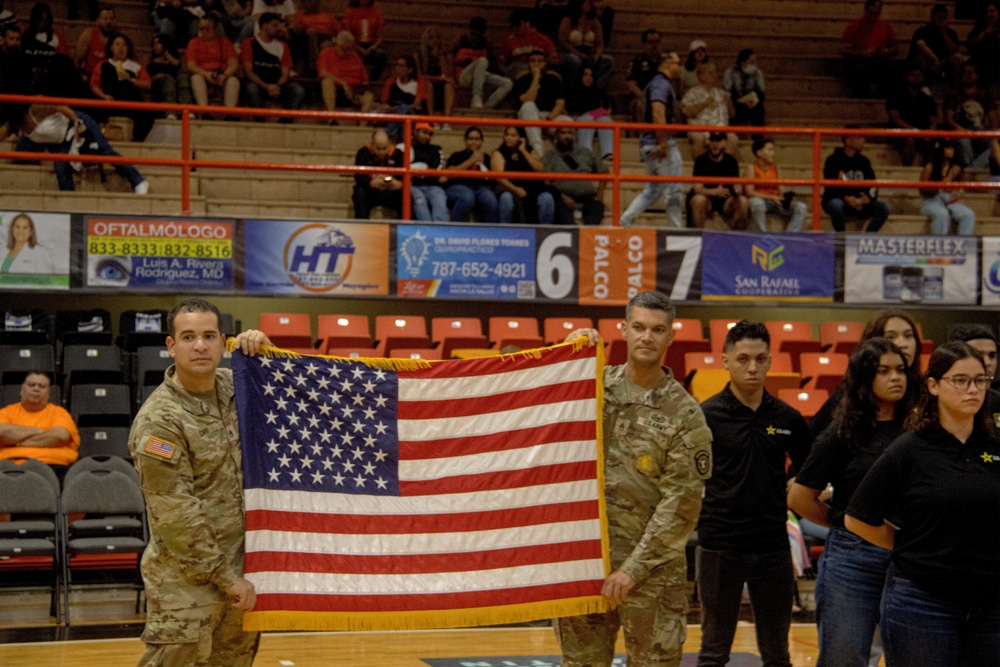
(186, 162)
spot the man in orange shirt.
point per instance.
(213, 62)
(90, 45)
(343, 76)
(36, 429)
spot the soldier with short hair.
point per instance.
(185, 444)
(657, 456)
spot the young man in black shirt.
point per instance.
(371, 190)
(704, 199)
(848, 164)
(641, 70)
(741, 532)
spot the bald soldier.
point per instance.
(657, 456)
(185, 444)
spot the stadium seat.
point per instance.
(24, 327)
(83, 327)
(695, 361)
(688, 329)
(717, 330)
(104, 441)
(392, 331)
(343, 331)
(615, 349)
(351, 352)
(416, 353)
(287, 330)
(141, 328)
(823, 370)
(16, 361)
(91, 364)
(555, 329)
(834, 334)
(100, 405)
(707, 382)
(455, 333)
(520, 332)
(806, 401)
(676, 356)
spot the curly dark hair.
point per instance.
(926, 415)
(854, 418)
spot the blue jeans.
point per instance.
(771, 582)
(921, 630)
(292, 95)
(760, 208)
(429, 203)
(605, 138)
(839, 212)
(546, 208)
(464, 199)
(848, 592)
(64, 172)
(671, 165)
(941, 214)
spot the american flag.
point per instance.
(392, 495)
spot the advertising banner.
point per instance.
(929, 270)
(991, 271)
(616, 264)
(465, 262)
(767, 267)
(153, 253)
(35, 252)
(340, 259)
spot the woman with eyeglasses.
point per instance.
(878, 395)
(933, 499)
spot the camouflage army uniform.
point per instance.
(657, 456)
(187, 451)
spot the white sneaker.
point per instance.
(477, 102)
(142, 188)
(74, 149)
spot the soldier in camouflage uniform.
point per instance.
(657, 456)
(185, 444)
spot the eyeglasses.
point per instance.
(962, 382)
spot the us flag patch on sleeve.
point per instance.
(160, 448)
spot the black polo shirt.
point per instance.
(944, 498)
(831, 461)
(744, 508)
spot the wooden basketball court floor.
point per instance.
(371, 649)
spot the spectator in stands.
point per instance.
(879, 392)
(658, 148)
(548, 15)
(267, 66)
(429, 199)
(467, 194)
(15, 75)
(311, 28)
(178, 19)
(581, 42)
(943, 207)
(769, 198)
(742, 539)
(521, 43)
(122, 78)
(541, 95)
(343, 76)
(586, 102)
(708, 104)
(36, 429)
(848, 164)
(283, 8)
(402, 95)
(376, 189)
(171, 83)
(366, 23)
(868, 46)
(47, 52)
(936, 46)
(47, 128)
(212, 62)
(744, 82)
(697, 55)
(25, 254)
(90, 46)
(642, 69)
(436, 72)
(606, 17)
(93, 9)
(983, 44)
(704, 199)
(582, 201)
(938, 482)
(981, 337)
(970, 106)
(473, 60)
(912, 107)
(522, 201)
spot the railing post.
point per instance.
(817, 174)
(616, 164)
(186, 162)
(407, 178)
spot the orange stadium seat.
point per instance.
(287, 329)
(520, 332)
(416, 353)
(717, 330)
(394, 331)
(688, 329)
(823, 370)
(343, 331)
(840, 337)
(806, 401)
(456, 333)
(557, 328)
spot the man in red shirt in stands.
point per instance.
(212, 61)
(521, 43)
(868, 46)
(343, 76)
(36, 429)
(92, 41)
